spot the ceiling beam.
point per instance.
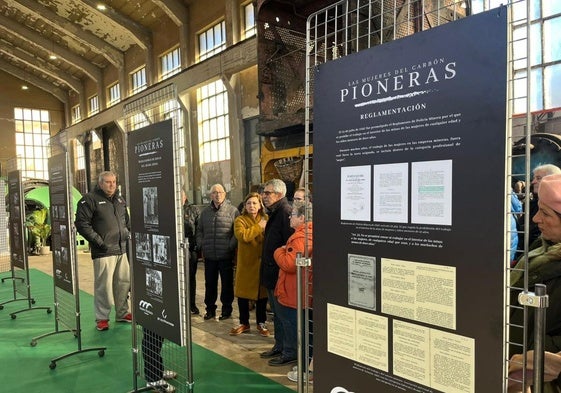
(39, 41)
(174, 9)
(34, 80)
(42, 66)
(90, 40)
(141, 35)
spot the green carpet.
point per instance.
(26, 368)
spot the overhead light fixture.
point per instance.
(101, 7)
(52, 56)
(24, 87)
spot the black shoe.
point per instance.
(270, 354)
(224, 316)
(281, 361)
(209, 315)
(194, 310)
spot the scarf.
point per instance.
(545, 253)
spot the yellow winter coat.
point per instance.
(250, 246)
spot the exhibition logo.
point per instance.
(164, 319)
(394, 85)
(340, 389)
(145, 307)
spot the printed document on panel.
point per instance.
(431, 192)
(390, 192)
(355, 193)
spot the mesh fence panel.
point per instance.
(350, 26)
(173, 359)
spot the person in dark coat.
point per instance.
(191, 215)
(544, 267)
(216, 240)
(103, 220)
(277, 232)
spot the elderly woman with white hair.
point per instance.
(544, 267)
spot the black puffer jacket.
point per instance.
(215, 231)
(277, 232)
(104, 222)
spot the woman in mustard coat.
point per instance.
(249, 228)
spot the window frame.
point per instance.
(207, 41)
(213, 123)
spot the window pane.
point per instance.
(550, 7)
(536, 103)
(552, 44)
(536, 44)
(552, 81)
(220, 131)
(213, 131)
(202, 43)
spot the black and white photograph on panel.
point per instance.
(62, 212)
(155, 243)
(161, 249)
(154, 285)
(410, 127)
(150, 195)
(143, 246)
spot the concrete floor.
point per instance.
(212, 334)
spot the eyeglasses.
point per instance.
(218, 192)
(269, 192)
(293, 214)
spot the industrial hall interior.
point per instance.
(171, 112)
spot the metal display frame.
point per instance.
(67, 305)
(155, 107)
(20, 274)
(349, 26)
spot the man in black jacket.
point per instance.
(277, 232)
(102, 218)
(216, 240)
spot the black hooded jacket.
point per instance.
(104, 222)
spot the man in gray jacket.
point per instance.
(216, 240)
(102, 218)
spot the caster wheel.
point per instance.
(49, 311)
(32, 301)
(33, 343)
(1, 307)
(13, 316)
(101, 353)
(52, 366)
